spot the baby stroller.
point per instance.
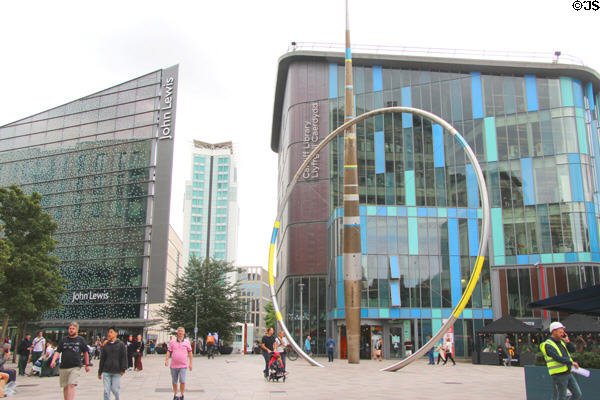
(276, 368)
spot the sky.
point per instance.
(57, 51)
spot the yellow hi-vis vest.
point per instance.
(554, 367)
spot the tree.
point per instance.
(270, 319)
(218, 306)
(32, 283)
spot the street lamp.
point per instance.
(301, 286)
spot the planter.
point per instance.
(538, 383)
(225, 349)
(526, 359)
(475, 357)
(490, 358)
(161, 350)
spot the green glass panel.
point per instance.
(566, 88)
(497, 231)
(491, 145)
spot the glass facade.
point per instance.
(94, 162)
(535, 134)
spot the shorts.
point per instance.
(68, 376)
(178, 374)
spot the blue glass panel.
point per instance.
(438, 146)
(363, 234)
(534, 258)
(476, 95)
(571, 257)
(394, 268)
(473, 237)
(574, 158)
(432, 212)
(590, 95)
(413, 236)
(522, 259)
(589, 207)
(362, 210)
(566, 89)
(462, 213)
(364, 313)
(472, 213)
(576, 182)
(415, 313)
(340, 294)
(379, 153)
(581, 133)
(497, 231)
(472, 187)
(491, 144)
(409, 184)
(404, 313)
(395, 313)
(340, 268)
(333, 81)
(577, 93)
(596, 257)
(382, 211)
(453, 245)
(477, 314)
(425, 312)
(593, 230)
(452, 213)
(421, 212)
(373, 312)
(528, 184)
(532, 97)
(446, 313)
(402, 211)
(406, 102)
(488, 314)
(377, 79)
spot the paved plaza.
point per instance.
(240, 377)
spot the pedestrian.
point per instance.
(113, 364)
(38, 345)
(508, 348)
(448, 349)
(441, 350)
(180, 352)
(268, 342)
(557, 351)
(210, 345)
(71, 348)
(23, 351)
(330, 345)
(98, 348)
(307, 347)
(281, 346)
(139, 351)
(130, 352)
(379, 349)
(430, 352)
(4, 357)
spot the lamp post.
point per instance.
(196, 327)
(301, 286)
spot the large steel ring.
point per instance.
(466, 295)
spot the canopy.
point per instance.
(578, 323)
(508, 324)
(582, 301)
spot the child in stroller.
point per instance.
(276, 368)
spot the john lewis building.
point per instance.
(103, 165)
(534, 129)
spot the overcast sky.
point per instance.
(57, 51)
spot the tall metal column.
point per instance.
(351, 235)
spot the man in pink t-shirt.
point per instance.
(180, 351)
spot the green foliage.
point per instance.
(32, 283)
(218, 307)
(270, 319)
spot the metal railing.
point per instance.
(497, 55)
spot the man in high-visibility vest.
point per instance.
(557, 353)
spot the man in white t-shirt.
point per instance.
(37, 347)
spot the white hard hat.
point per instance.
(556, 325)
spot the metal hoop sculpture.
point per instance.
(482, 243)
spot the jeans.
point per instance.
(267, 357)
(112, 383)
(561, 382)
(430, 354)
(35, 355)
(330, 355)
